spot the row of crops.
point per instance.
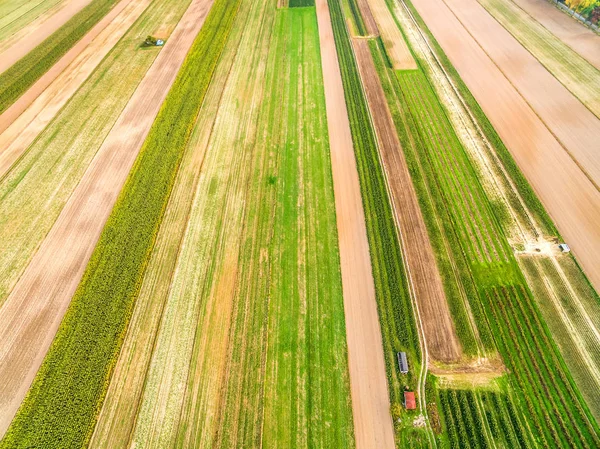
(25, 72)
(443, 174)
(61, 408)
(394, 304)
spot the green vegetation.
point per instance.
(15, 15)
(301, 3)
(394, 303)
(25, 72)
(60, 409)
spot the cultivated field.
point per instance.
(19, 17)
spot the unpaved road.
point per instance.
(32, 313)
(30, 114)
(442, 341)
(566, 192)
(574, 34)
(38, 34)
(575, 126)
(368, 382)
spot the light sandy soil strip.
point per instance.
(36, 36)
(571, 32)
(32, 313)
(442, 342)
(571, 199)
(395, 45)
(370, 400)
(20, 125)
(565, 116)
(16, 24)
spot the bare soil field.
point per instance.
(32, 313)
(370, 400)
(30, 114)
(442, 342)
(370, 23)
(565, 116)
(39, 33)
(394, 42)
(566, 192)
(575, 35)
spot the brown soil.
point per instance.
(30, 114)
(442, 341)
(32, 313)
(368, 383)
(568, 195)
(39, 33)
(574, 34)
(368, 19)
(395, 45)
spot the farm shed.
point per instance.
(160, 42)
(402, 362)
(409, 400)
(564, 248)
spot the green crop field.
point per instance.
(33, 195)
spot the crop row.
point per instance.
(394, 304)
(60, 410)
(452, 263)
(463, 420)
(25, 72)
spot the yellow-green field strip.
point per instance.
(16, 15)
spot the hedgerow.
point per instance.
(63, 403)
(26, 71)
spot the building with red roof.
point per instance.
(409, 400)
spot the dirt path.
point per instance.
(568, 195)
(29, 115)
(574, 34)
(575, 126)
(442, 341)
(31, 315)
(38, 34)
(370, 400)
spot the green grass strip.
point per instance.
(25, 72)
(61, 408)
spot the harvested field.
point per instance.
(42, 295)
(25, 119)
(370, 406)
(19, 17)
(575, 35)
(395, 45)
(367, 17)
(442, 342)
(568, 195)
(37, 35)
(573, 71)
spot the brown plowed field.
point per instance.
(32, 313)
(39, 33)
(395, 45)
(368, 383)
(30, 114)
(574, 34)
(365, 12)
(442, 341)
(565, 116)
(568, 195)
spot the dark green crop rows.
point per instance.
(394, 303)
(62, 405)
(25, 72)
(301, 3)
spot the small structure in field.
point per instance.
(564, 248)
(151, 41)
(402, 362)
(409, 400)
(160, 42)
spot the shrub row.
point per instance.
(62, 406)
(25, 72)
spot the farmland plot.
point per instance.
(17, 17)
(32, 196)
(246, 320)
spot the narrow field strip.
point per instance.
(443, 343)
(572, 70)
(21, 68)
(25, 119)
(19, 18)
(42, 296)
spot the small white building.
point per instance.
(564, 248)
(160, 42)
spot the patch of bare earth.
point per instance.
(368, 383)
(442, 341)
(32, 313)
